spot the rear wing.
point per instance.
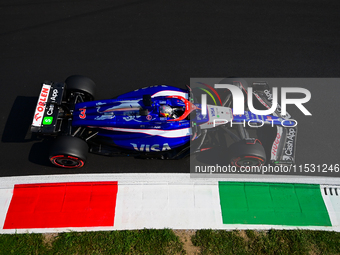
(284, 145)
(46, 116)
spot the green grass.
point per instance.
(267, 242)
(113, 242)
(166, 242)
(22, 244)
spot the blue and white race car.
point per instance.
(163, 122)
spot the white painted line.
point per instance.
(5, 200)
(332, 202)
(182, 178)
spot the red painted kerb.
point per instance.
(60, 205)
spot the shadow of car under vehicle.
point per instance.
(17, 128)
(39, 153)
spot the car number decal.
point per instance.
(82, 114)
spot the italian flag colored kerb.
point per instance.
(218, 205)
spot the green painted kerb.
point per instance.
(272, 204)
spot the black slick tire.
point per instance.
(68, 152)
(82, 84)
(244, 154)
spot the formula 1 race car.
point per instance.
(163, 122)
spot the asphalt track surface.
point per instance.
(124, 45)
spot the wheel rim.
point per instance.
(247, 161)
(66, 161)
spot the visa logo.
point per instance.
(148, 147)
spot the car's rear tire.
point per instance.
(81, 84)
(244, 154)
(68, 152)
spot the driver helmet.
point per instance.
(165, 111)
